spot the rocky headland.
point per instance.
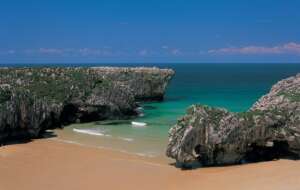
(269, 130)
(33, 100)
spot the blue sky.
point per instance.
(103, 31)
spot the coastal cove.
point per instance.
(149, 95)
(231, 86)
(112, 153)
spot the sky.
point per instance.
(152, 31)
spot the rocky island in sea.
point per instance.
(215, 136)
(33, 100)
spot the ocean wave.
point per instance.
(140, 108)
(98, 132)
(150, 154)
(91, 132)
(126, 139)
(147, 154)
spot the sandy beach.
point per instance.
(49, 164)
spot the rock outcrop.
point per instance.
(146, 84)
(35, 99)
(214, 136)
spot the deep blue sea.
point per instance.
(232, 86)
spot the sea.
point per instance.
(234, 86)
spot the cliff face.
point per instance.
(214, 136)
(35, 99)
(147, 84)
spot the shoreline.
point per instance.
(49, 164)
(159, 158)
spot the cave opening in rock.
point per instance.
(197, 152)
(277, 150)
(68, 114)
(90, 116)
(197, 149)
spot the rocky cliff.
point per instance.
(214, 136)
(35, 99)
(146, 84)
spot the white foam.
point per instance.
(140, 108)
(141, 115)
(91, 132)
(68, 141)
(138, 124)
(149, 155)
(126, 139)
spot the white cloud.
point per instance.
(288, 48)
(51, 51)
(95, 52)
(176, 52)
(143, 52)
(291, 48)
(7, 52)
(98, 52)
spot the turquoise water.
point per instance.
(232, 86)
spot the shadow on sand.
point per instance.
(197, 165)
(23, 140)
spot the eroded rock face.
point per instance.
(147, 83)
(214, 136)
(35, 99)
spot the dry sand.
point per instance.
(52, 165)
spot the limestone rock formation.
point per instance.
(214, 136)
(35, 99)
(146, 83)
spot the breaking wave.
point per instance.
(95, 132)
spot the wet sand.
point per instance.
(48, 164)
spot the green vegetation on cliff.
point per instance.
(35, 99)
